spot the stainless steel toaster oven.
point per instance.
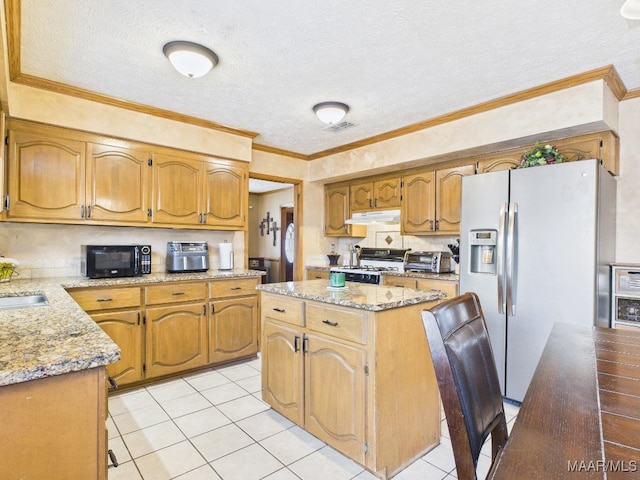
(434, 262)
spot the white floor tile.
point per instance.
(124, 471)
(140, 418)
(111, 428)
(119, 449)
(292, 444)
(202, 473)
(222, 441)
(150, 439)
(243, 407)
(177, 407)
(170, 462)
(251, 384)
(264, 424)
(238, 372)
(324, 464)
(442, 456)
(201, 421)
(223, 393)
(170, 390)
(282, 474)
(421, 470)
(250, 463)
(209, 379)
(129, 401)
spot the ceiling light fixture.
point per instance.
(190, 59)
(331, 112)
(631, 9)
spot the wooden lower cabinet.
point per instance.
(55, 427)
(449, 287)
(125, 329)
(361, 381)
(233, 329)
(317, 273)
(176, 338)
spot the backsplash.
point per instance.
(384, 236)
(45, 250)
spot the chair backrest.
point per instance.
(467, 378)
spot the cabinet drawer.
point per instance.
(107, 298)
(396, 281)
(347, 325)
(175, 292)
(233, 287)
(285, 309)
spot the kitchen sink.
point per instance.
(22, 301)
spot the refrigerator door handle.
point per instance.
(511, 261)
(500, 257)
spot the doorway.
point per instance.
(287, 244)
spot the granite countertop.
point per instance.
(355, 295)
(48, 340)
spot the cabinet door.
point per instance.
(502, 161)
(418, 203)
(449, 198)
(46, 177)
(405, 282)
(386, 193)
(336, 212)
(176, 338)
(335, 395)
(225, 193)
(282, 370)
(125, 330)
(446, 286)
(361, 196)
(233, 329)
(177, 190)
(117, 184)
(317, 273)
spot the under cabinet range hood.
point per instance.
(375, 216)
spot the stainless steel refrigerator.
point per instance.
(535, 245)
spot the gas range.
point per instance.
(374, 261)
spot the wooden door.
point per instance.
(225, 193)
(118, 184)
(177, 190)
(125, 330)
(361, 196)
(233, 329)
(335, 395)
(282, 370)
(287, 244)
(176, 338)
(449, 198)
(46, 177)
(386, 193)
(418, 203)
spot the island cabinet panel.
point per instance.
(335, 402)
(54, 428)
(176, 338)
(283, 369)
(360, 380)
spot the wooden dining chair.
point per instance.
(467, 378)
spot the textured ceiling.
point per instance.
(395, 63)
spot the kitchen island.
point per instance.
(352, 367)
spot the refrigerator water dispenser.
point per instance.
(483, 253)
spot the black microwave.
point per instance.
(108, 261)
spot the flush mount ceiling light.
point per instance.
(190, 59)
(331, 112)
(631, 9)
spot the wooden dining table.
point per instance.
(580, 417)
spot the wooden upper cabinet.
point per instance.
(418, 202)
(177, 190)
(378, 194)
(337, 212)
(47, 177)
(601, 145)
(226, 190)
(432, 201)
(449, 198)
(117, 184)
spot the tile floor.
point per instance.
(213, 425)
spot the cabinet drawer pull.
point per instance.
(329, 322)
(177, 293)
(104, 300)
(112, 457)
(236, 288)
(278, 309)
(296, 343)
(113, 384)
